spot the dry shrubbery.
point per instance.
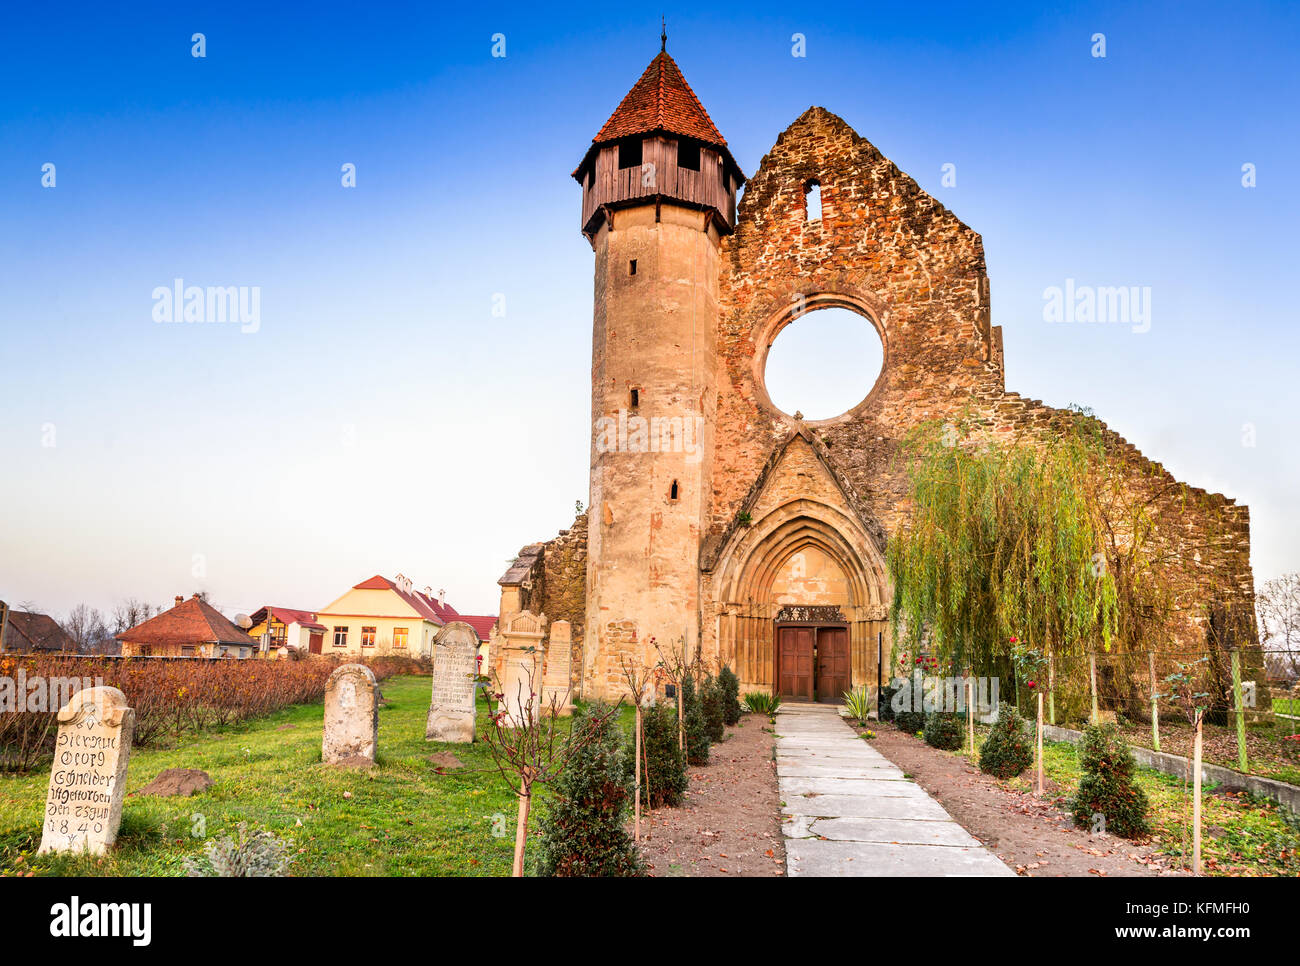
(172, 697)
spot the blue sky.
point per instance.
(382, 418)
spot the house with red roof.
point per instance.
(389, 616)
(192, 628)
(281, 631)
(24, 632)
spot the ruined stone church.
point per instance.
(716, 520)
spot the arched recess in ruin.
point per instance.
(749, 578)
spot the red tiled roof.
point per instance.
(482, 625)
(422, 604)
(192, 621)
(288, 615)
(661, 101)
(35, 632)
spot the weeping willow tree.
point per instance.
(1006, 540)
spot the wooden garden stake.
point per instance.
(1196, 798)
(1155, 704)
(521, 826)
(637, 806)
(1239, 706)
(1092, 683)
(1051, 688)
(637, 681)
(970, 709)
(1040, 743)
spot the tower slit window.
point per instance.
(673, 492)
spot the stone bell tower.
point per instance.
(658, 193)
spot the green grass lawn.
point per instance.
(402, 819)
(1241, 835)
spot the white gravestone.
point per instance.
(84, 806)
(351, 716)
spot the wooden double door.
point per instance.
(812, 661)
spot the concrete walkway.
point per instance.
(849, 810)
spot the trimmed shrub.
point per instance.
(1107, 786)
(583, 832)
(1006, 751)
(664, 769)
(910, 721)
(885, 706)
(943, 730)
(730, 685)
(711, 705)
(697, 732)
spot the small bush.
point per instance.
(583, 832)
(943, 730)
(730, 685)
(664, 768)
(711, 702)
(1107, 786)
(259, 855)
(697, 731)
(910, 721)
(1006, 751)
(885, 706)
(760, 702)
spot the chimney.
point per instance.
(195, 595)
(442, 598)
(179, 600)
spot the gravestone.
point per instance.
(83, 808)
(519, 667)
(455, 669)
(351, 716)
(557, 685)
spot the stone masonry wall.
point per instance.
(890, 251)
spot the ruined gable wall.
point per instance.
(883, 245)
(887, 248)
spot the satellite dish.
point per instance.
(243, 621)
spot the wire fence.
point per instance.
(1251, 695)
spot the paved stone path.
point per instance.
(850, 811)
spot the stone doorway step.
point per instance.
(848, 810)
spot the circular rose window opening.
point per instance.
(823, 363)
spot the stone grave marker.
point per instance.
(556, 679)
(83, 808)
(455, 668)
(351, 716)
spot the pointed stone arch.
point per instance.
(749, 563)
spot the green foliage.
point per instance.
(711, 704)
(583, 833)
(697, 730)
(943, 730)
(760, 702)
(858, 704)
(1108, 785)
(730, 685)
(256, 855)
(1006, 751)
(1006, 539)
(885, 706)
(664, 776)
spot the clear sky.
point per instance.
(416, 395)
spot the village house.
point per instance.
(191, 628)
(380, 616)
(23, 632)
(280, 631)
